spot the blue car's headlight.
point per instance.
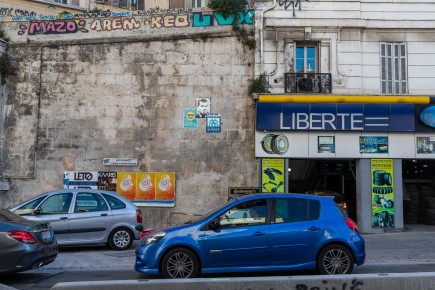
(153, 238)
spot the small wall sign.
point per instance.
(120, 161)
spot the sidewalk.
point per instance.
(413, 244)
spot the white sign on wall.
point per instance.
(120, 161)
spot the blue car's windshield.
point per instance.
(205, 216)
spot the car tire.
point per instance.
(121, 239)
(180, 263)
(335, 259)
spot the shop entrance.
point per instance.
(315, 175)
(418, 191)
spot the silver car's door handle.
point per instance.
(258, 234)
(64, 218)
(104, 214)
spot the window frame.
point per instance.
(306, 46)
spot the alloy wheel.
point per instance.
(336, 261)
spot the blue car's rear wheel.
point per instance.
(335, 259)
(180, 263)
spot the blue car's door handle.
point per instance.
(258, 234)
(313, 228)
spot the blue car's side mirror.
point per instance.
(214, 224)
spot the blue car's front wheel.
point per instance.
(180, 263)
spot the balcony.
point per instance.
(312, 83)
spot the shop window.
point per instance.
(393, 68)
(306, 58)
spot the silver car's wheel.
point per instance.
(335, 259)
(121, 239)
(180, 263)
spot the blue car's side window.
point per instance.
(245, 214)
(296, 210)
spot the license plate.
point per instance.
(46, 236)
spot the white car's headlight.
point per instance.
(154, 238)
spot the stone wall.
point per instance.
(75, 102)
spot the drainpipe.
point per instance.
(4, 184)
(262, 34)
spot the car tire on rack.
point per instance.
(335, 259)
(180, 263)
(121, 239)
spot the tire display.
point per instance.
(420, 208)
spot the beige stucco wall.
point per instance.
(78, 100)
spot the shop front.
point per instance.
(377, 152)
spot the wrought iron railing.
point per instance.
(307, 83)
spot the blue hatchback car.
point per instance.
(265, 232)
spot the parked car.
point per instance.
(85, 216)
(24, 244)
(338, 198)
(281, 232)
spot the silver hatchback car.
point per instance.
(86, 216)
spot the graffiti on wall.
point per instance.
(291, 3)
(11, 12)
(65, 26)
(53, 27)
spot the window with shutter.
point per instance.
(393, 68)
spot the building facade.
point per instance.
(112, 88)
(344, 108)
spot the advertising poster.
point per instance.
(107, 181)
(142, 188)
(80, 179)
(126, 185)
(190, 120)
(382, 193)
(425, 145)
(272, 175)
(165, 189)
(373, 144)
(146, 189)
(326, 144)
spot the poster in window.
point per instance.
(425, 145)
(373, 144)
(272, 177)
(382, 193)
(326, 144)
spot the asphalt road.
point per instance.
(395, 252)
